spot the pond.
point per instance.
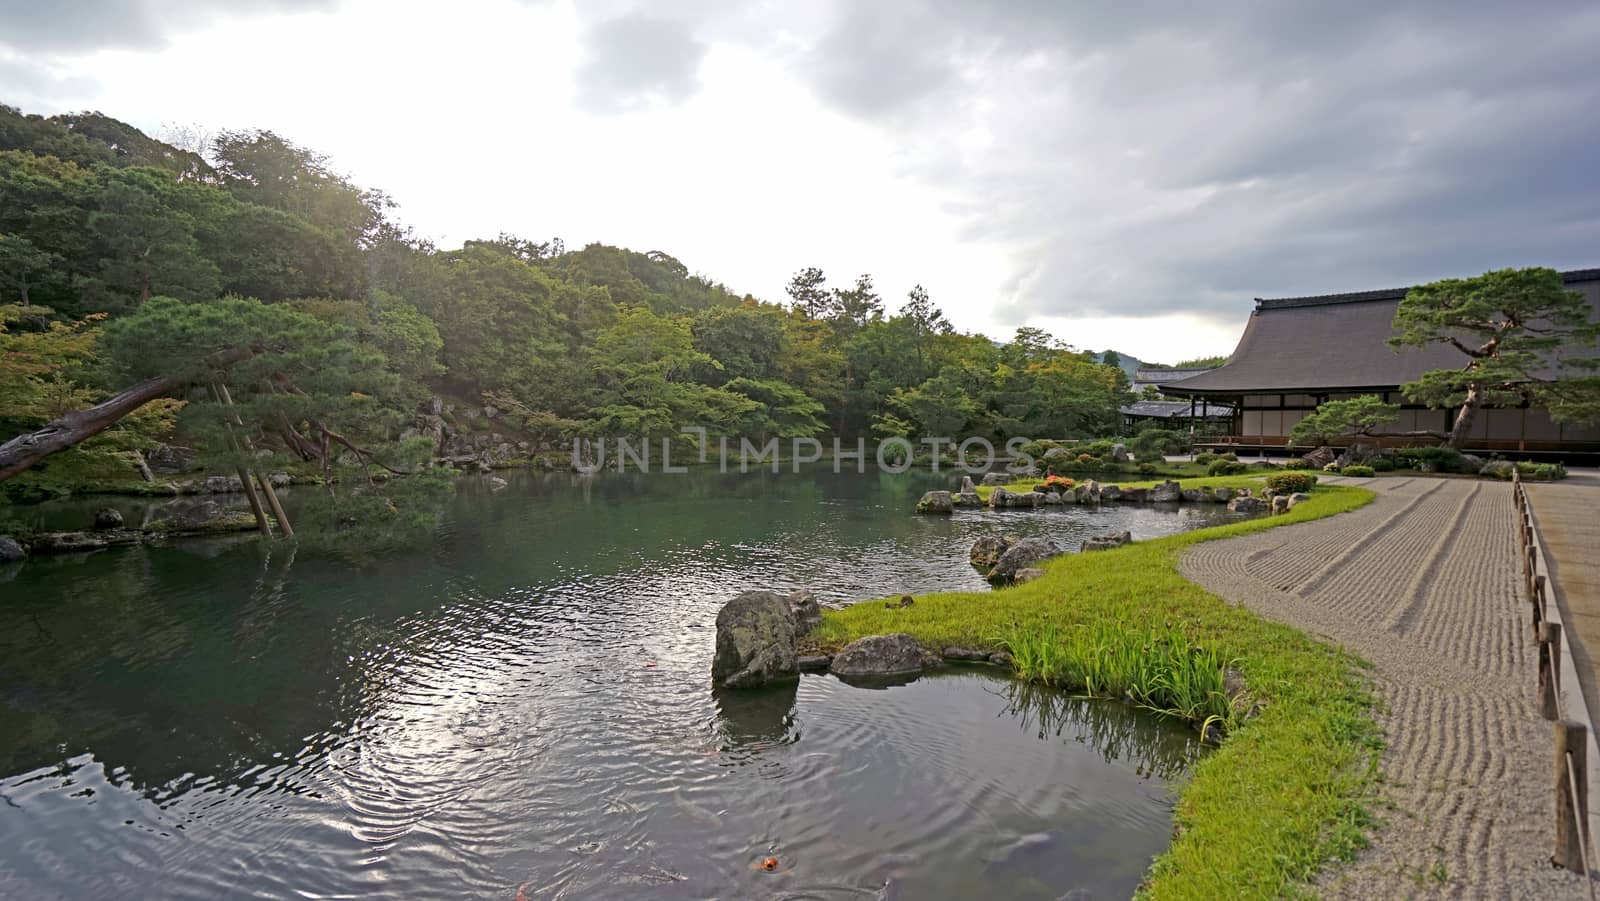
(525, 702)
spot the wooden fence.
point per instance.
(1573, 848)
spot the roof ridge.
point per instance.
(1312, 300)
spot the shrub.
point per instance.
(1147, 469)
(1430, 459)
(1360, 472)
(1226, 468)
(1382, 464)
(1205, 459)
(1086, 458)
(1231, 456)
(1061, 482)
(1034, 449)
(1291, 482)
(1151, 443)
(1542, 472)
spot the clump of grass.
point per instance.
(1286, 793)
(1156, 668)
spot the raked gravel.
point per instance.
(1423, 584)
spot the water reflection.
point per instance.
(527, 700)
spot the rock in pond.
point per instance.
(815, 663)
(1111, 492)
(108, 518)
(968, 495)
(986, 551)
(896, 654)
(11, 550)
(1166, 491)
(1192, 495)
(1003, 498)
(755, 641)
(1107, 541)
(496, 483)
(936, 502)
(1245, 504)
(1088, 492)
(1022, 555)
(806, 611)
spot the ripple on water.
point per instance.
(528, 704)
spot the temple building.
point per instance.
(1178, 415)
(1298, 352)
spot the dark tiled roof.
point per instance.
(1143, 374)
(1333, 342)
(1167, 409)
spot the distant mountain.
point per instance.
(1128, 362)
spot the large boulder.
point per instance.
(107, 518)
(1280, 504)
(1002, 497)
(968, 495)
(1088, 492)
(1297, 499)
(1119, 453)
(1192, 495)
(1223, 495)
(1111, 492)
(1320, 457)
(1137, 495)
(755, 641)
(1107, 541)
(897, 654)
(1050, 498)
(1165, 492)
(805, 609)
(11, 550)
(936, 502)
(1497, 469)
(1245, 504)
(1470, 463)
(986, 551)
(1021, 555)
(169, 459)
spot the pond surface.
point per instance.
(525, 703)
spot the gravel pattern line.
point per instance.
(1423, 584)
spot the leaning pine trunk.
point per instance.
(1465, 417)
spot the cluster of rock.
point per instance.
(946, 502)
(1008, 559)
(757, 633)
(1047, 494)
(179, 519)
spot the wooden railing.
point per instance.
(1573, 845)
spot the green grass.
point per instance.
(1288, 790)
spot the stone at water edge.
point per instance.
(1111, 492)
(1022, 555)
(1280, 504)
(965, 654)
(1003, 498)
(1298, 498)
(1245, 504)
(936, 502)
(1026, 575)
(1107, 541)
(108, 518)
(1050, 499)
(968, 495)
(1088, 492)
(755, 642)
(815, 663)
(11, 550)
(1137, 495)
(806, 611)
(986, 551)
(1222, 495)
(1166, 492)
(897, 654)
(1192, 495)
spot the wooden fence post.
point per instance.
(1550, 670)
(1572, 822)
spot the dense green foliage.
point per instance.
(1287, 791)
(1522, 336)
(1336, 420)
(97, 219)
(1291, 482)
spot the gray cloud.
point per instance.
(1146, 159)
(45, 27)
(635, 58)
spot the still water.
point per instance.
(525, 704)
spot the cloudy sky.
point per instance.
(1126, 175)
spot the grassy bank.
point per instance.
(1286, 792)
(1026, 484)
